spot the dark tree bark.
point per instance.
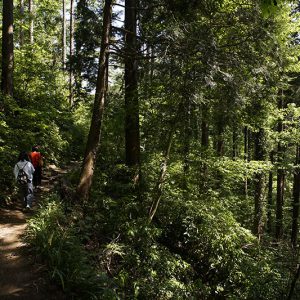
(64, 36)
(270, 196)
(152, 64)
(280, 182)
(31, 28)
(260, 182)
(204, 129)
(220, 140)
(293, 284)
(71, 46)
(187, 136)
(279, 199)
(7, 48)
(246, 156)
(204, 147)
(22, 13)
(204, 134)
(92, 146)
(132, 135)
(246, 144)
(234, 143)
(296, 200)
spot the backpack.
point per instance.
(22, 177)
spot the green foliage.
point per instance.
(31, 128)
(87, 37)
(154, 272)
(269, 6)
(195, 250)
(60, 248)
(224, 63)
(75, 126)
(39, 113)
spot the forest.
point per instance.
(178, 123)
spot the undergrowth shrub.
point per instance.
(194, 248)
(53, 237)
(22, 125)
(225, 257)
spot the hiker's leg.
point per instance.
(34, 179)
(39, 175)
(22, 194)
(29, 196)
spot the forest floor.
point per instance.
(21, 274)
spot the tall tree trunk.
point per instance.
(187, 136)
(293, 284)
(234, 143)
(31, 15)
(270, 196)
(7, 48)
(220, 140)
(92, 146)
(280, 182)
(204, 128)
(64, 36)
(260, 182)
(296, 200)
(279, 203)
(246, 144)
(152, 62)
(148, 72)
(204, 147)
(71, 52)
(132, 135)
(246, 157)
(22, 14)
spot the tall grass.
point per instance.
(54, 238)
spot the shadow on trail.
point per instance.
(7, 218)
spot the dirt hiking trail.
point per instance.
(21, 275)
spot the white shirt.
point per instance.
(26, 166)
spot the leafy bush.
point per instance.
(51, 236)
(225, 257)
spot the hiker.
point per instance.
(23, 172)
(37, 161)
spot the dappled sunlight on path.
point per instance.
(21, 276)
